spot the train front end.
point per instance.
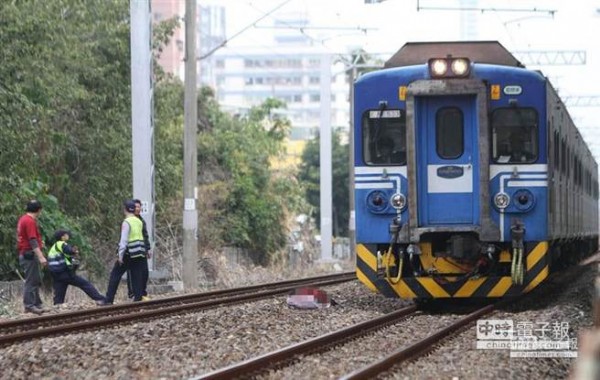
(451, 180)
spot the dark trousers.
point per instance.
(63, 279)
(145, 273)
(33, 280)
(135, 267)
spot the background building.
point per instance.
(171, 58)
(211, 35)
(287, 67)
(293, 74)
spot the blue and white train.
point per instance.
(471, 179)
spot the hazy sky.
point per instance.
(340, 25)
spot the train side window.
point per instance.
(556, 150)
(384, 137)
(563, 156)
(514, 135)
(449, 132)
(569, 160)
(577, 172)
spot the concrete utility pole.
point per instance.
(351, 143)
(190, 157)
(325, 159)
(142, 124)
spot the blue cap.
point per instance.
(129, 205)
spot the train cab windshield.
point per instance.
(384, 137)
(514, 135)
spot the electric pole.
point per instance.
(325, 160)
(190, 157)
(351, 143)
(142, 124)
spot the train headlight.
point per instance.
(438, 67)
(524, 199)
(449, 67)
(377, 201)
(501, 201)
(398, 201)
(460, 66)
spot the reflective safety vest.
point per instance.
(135, 245)
(57, 260)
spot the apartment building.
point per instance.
(245, 77)
(289, 67)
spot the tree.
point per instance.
(64, 109)
(310, 177)
(244, 204)
(65, 135)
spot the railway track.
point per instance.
(63, 323)
(418, 348)
(280, 358)
(261, 364)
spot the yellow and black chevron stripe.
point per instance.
(370, 272)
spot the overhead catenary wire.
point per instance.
(226, 40)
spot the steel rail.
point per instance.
(417, 348)
(156, 308)
(319, 343)
(29, 323)
(427, 344)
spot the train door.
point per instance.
(447, 160)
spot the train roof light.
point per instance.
(449, 67)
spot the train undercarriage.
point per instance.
(459, 266)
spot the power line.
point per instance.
(226, 40)
(487, 9)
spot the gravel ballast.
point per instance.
(192, 344)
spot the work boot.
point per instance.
(145, 298)
(34, 310)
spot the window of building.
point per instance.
(514, 135)
(314, 80)
(315, 98)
